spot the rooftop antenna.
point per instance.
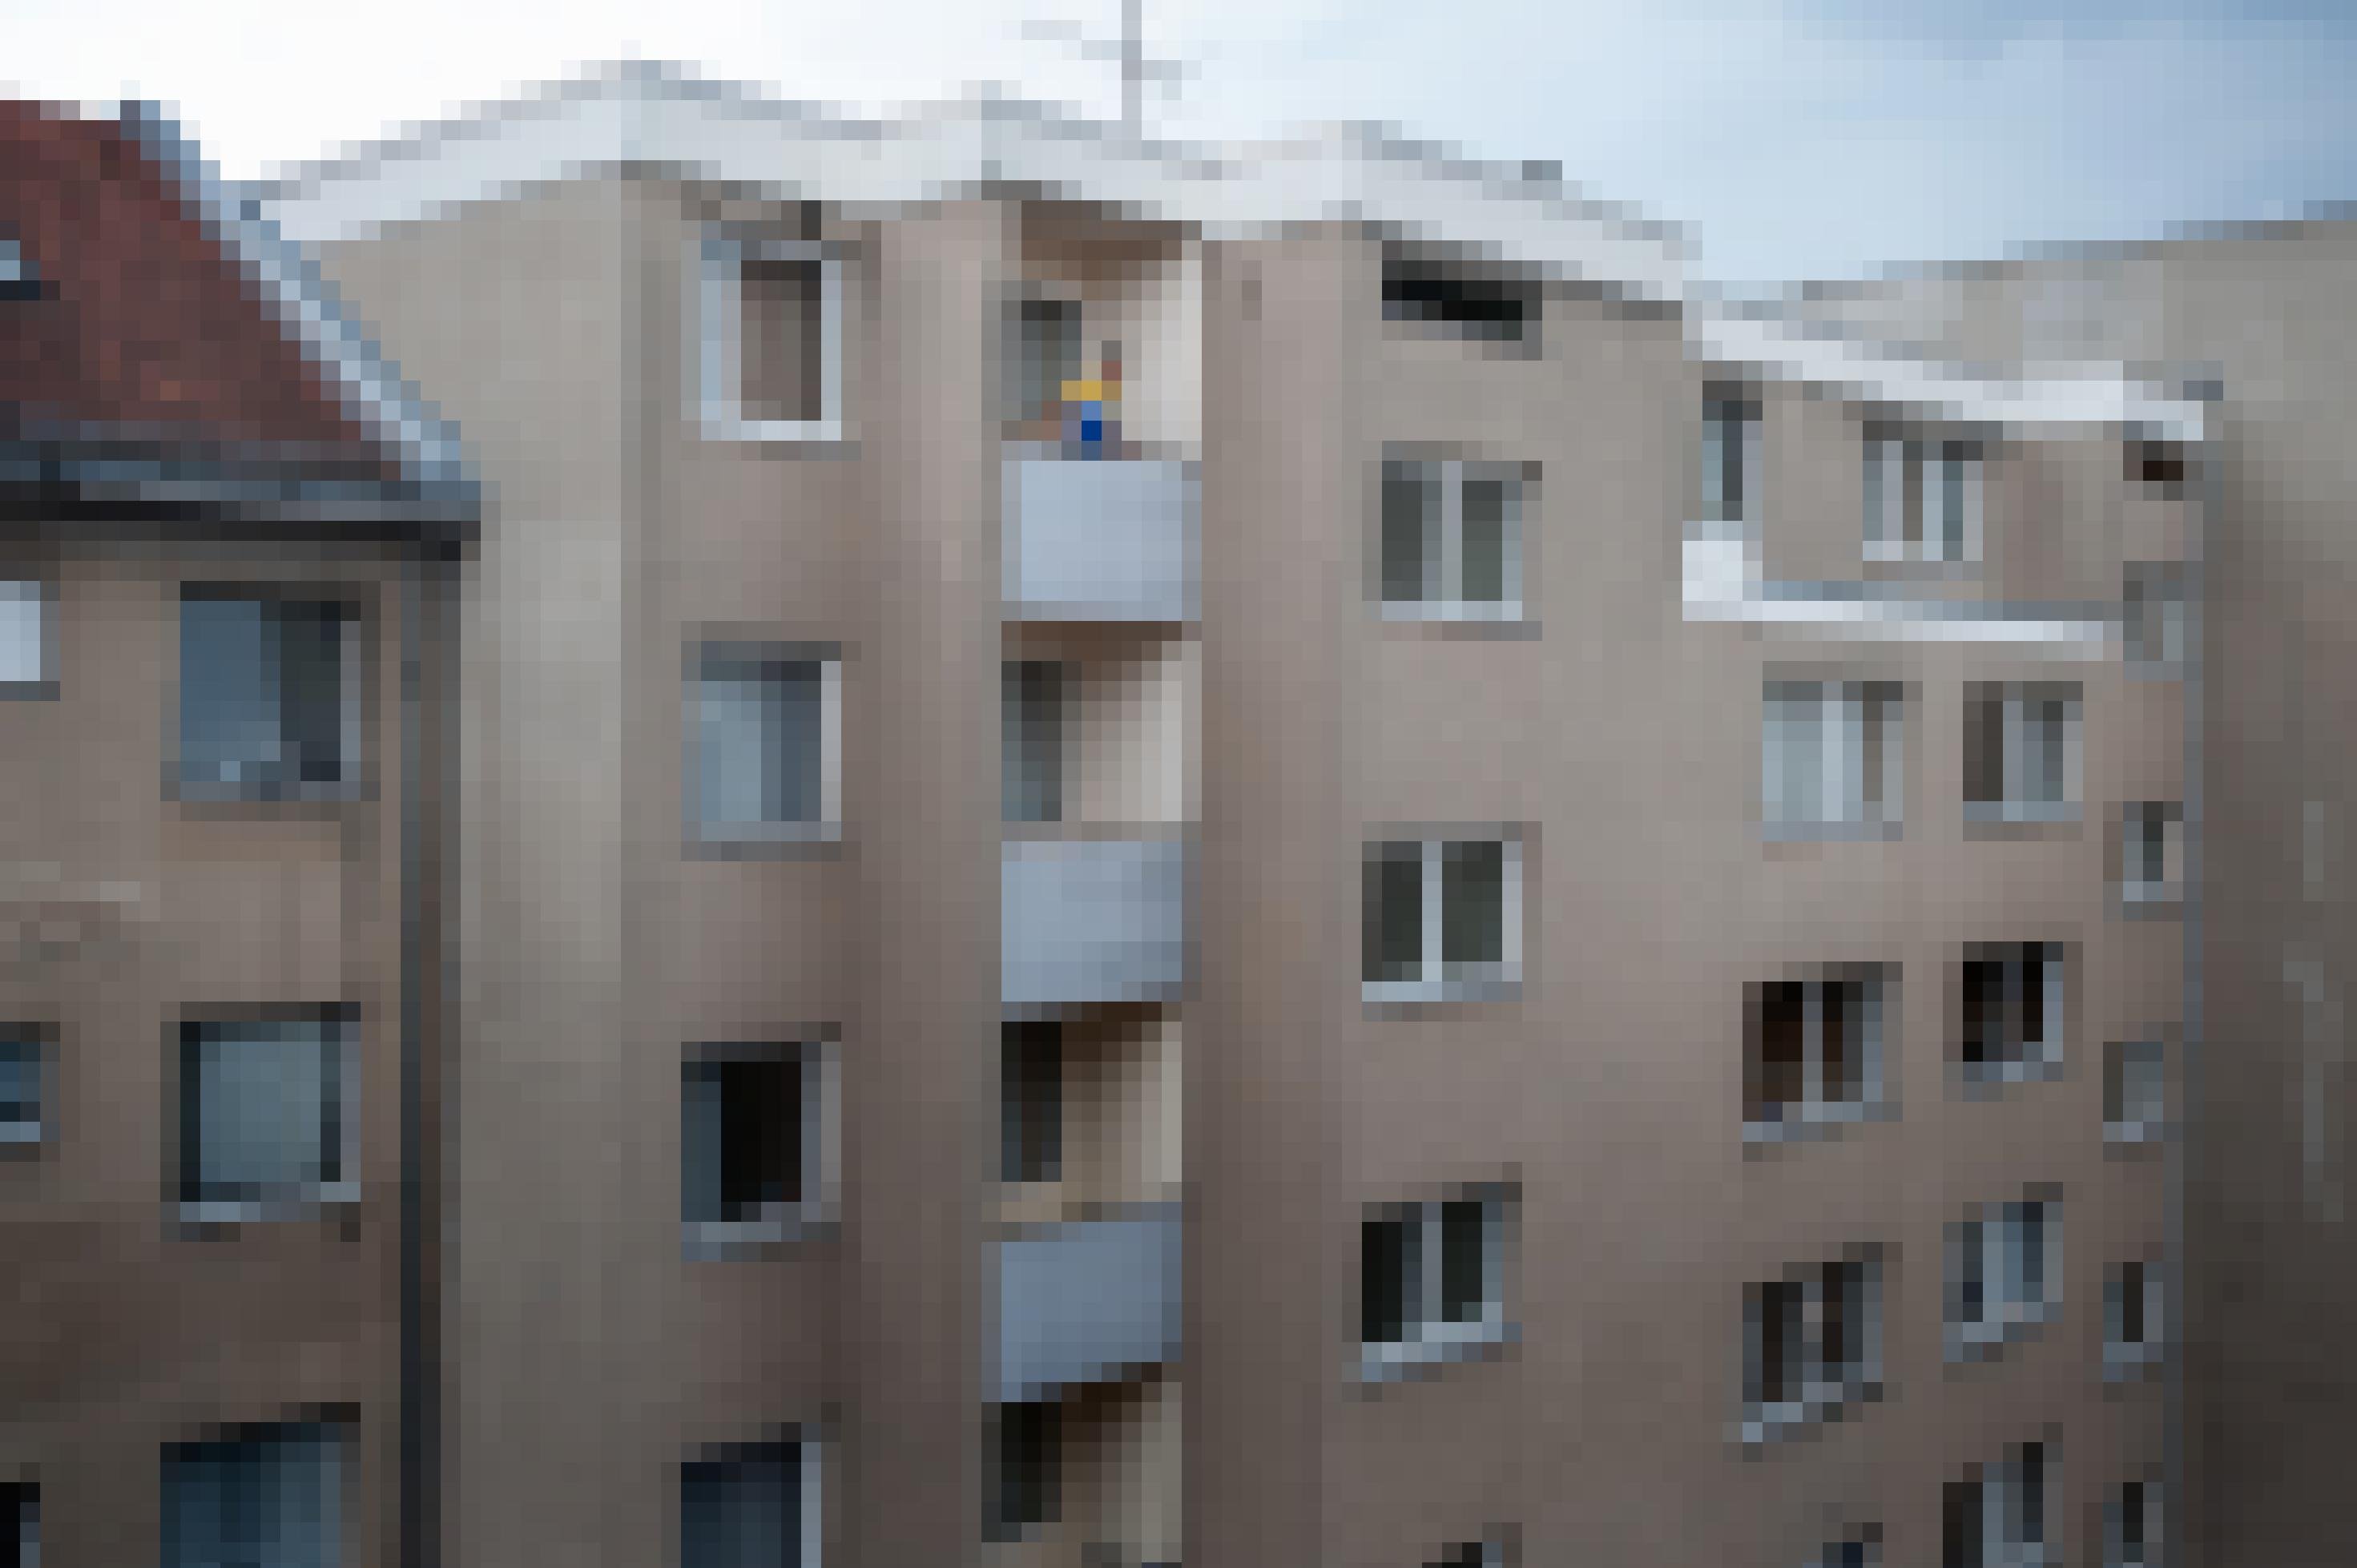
(1128, 50)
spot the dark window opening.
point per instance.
(1030, 1440)
(1031, 1100)
(1386, 1261)
(744, 1511)
(1486, 307)
(742, 1138)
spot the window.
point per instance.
(1036, 701)
(20, 1522)
(2012, 1002)
(751, 1506)
(1922, 499)
(1831, 757)
(2021, 752)
(1049, 351)
(2160, 464)
(19, 278)
(2135, 1091)
(756, 1138)
(1442, 919)
(1031, 1100)
(1465, 298)
(1431, 1281)
(270, 1496)
(2005, 1273)
(766, 742)
(1996, 1517)
(270, 696)
(24, 637)
(1492, 1551)
(1028, 1437)
(771, 340)
(1813, 1050)
(2133, 1525)
(1813, 1344)
(1861, 1550)
(2132, 1296)
(1451, 546)
(1730, 464)
(2152, 854)
(267, 1116)
(24, 1084)
(2156, 619)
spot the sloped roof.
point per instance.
(156, 348)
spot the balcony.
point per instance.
(1088, 1302)
(1108, 539)
(1089, 921)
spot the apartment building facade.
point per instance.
(1269, 861)
(227, 537)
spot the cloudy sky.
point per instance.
(1795, 137)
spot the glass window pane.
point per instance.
(1411, 534)
(1392, 916)
(1464, 1266)
(741, 1513)
(262, 1111)
(1384, 1283)
(1472, 903)
(1487, 536)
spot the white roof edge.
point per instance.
(659, 115)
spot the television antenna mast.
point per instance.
(1129, 50)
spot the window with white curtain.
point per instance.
(764, 735)
(1922, 499)
(1830, 757)
(2022, 751)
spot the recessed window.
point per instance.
(1996, 1515)
(1432, 1281)
(2133, 1298)
(771, 340)
(19, 278)
(1814, 1048)
(1461, 297)
(1031, 1100)
(24, 1084)
(270, 696)
(1812, 1345)
(1028, 1443)
(2021, 752)
(268, 1119)
(1451, 541)
(2159, 464)
(1442, 919)
(750, 1504)
(1860, 1549)
(1731, 468)
(1832, 757)
(24, 637)
(20, 1522)
(765, 739)
(1049, 353)
(2135, 1091)
(2005, 1273)
(2133, 1525)
(268, 1495)
(1922, 499)
(2151, 853)
(1036, 701)
(2156, 620)
(2012, 1002)
(756, 1137)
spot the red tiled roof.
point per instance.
(145, 320)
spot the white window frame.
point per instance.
(1932, 459)
(2028, 1059)
(1450, 604)
(2016, 730)
(24, 636)
(2122, 1059)
(1433, 980)
(346, 1040)
(815, 1054)
(2008, 1311)
(2004, 1533)
(1714, 522)
(719, 326)
(827, 827)
(2124, 1357)
(1849, 716)
(1431, 1339)
(2148, 1504)
(35, 1130)
(1814, 1109)
(1820, 1392)
(2138, 822)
